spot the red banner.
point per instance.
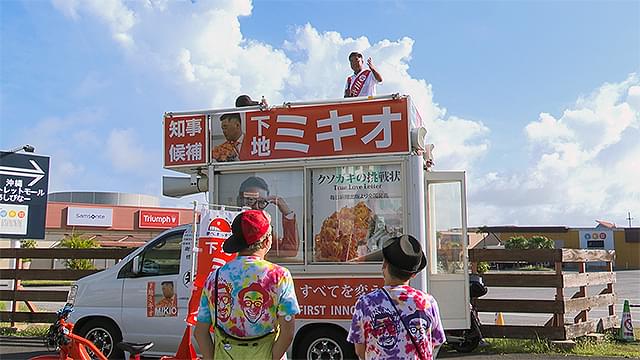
(331, 298)
(152, 219)
(327, 130)
(185, 141)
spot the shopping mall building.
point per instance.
(112, 219)
(604, 236)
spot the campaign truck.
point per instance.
(339, 178)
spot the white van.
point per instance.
(338, 177)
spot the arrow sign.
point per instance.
(36, 173)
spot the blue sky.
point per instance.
(538, 101)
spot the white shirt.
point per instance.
(369, 87)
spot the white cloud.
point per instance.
(125, 152)
(586, 164)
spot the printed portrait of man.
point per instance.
(418, 323)
(385, 328)
(254, 300)
(168, 295)
(225, 301)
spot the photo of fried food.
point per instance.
(343, 232)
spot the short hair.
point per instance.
(230, 116)
(398, 273)
(356, 54)
(167, 283)
(253, 181)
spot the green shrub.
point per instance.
(483, 267)
(517, 242)
(78, 241)
(28, 244)
(541, 242)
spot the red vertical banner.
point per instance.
(151, 304)
(186, 141)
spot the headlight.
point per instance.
(71, 297)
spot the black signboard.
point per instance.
(24, 186)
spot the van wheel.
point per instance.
(104, 335)
(324, 343)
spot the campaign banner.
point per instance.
(154, 219)
(327, 130)
(356, 209)
(13, 219)
(331, 298)
(214, 229)
(162, 300)
(186, 141)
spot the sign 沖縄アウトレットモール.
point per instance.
(24, 187)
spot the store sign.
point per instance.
(343, 129)
(332, 298)
(152, 219)
(185, 141)
(24, 185)
(13, 219)
(77, 216)
(596, 239)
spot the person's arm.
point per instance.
(373, 69)
(287, 245)
(203, 338)
(360, 350)
(287, 328)
(347, 93)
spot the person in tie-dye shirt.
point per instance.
(378, 330)
(254, 296)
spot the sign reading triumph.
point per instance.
(24, 185)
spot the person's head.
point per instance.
(245, 100)
(231, 126)
(167, 289)
(250, 233)
(403, 257)
(254, 300)
(356, 61)
(253, 193)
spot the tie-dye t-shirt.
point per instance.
(377, 324)
(252, 292)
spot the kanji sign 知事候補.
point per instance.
(185, 141)
(24, 186)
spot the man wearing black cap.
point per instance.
(397, 321)
(259, 301)
(363, 81)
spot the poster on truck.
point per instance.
(355, 210)
(340, 129)
(162, 300)
(331, 298)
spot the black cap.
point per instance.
(245, 100)
(405, 253)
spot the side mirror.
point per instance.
(135, 266)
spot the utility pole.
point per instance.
(629, 217)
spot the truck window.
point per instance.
(447, 223)
(280, 193)
(162, 257)
(354, 210)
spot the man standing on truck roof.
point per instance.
(363, 81)
(397, 321)
(263, 302)
(254, 193)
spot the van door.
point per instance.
(155, 297)
(447, 242)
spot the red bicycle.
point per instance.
(74, 347)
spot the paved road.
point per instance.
(627, 287)
(25, 348)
